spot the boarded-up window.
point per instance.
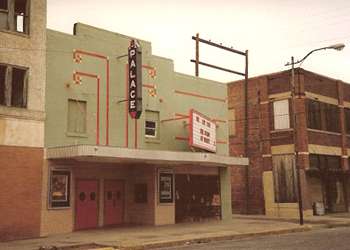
(76, 116)
(231, 122)
(281, 114)
(13, 86)
(284, 178)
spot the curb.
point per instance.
(332, 225)
(322, 223)
(212, 239)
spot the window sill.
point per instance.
(16, 33)
(323, 131)
(21, 113)
(152, 140)
(58, 208)
(73, 134)
(281, 130)
(165, 204)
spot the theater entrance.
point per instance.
(197, 197)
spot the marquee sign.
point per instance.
(135, 79)
(202, 132)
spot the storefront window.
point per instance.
(60, 189)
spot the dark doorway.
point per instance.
(196, 197)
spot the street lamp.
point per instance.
(338, 46)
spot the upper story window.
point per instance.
(322, 116)
(281, 114)
(152, 124)
(3, 5)
(314, 114)
(76, 116)
(14, 15)
(347, 120)
(13, 86)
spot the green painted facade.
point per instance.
(165, 98)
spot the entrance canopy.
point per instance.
(89, 153)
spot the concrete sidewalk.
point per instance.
(145, 237)
(324, 221)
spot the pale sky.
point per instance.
(272, 31)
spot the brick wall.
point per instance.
(238, 180)
(20, 196)
(256, 127)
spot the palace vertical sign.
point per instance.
(202, 132)
(135, 79)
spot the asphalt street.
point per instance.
(322, 239)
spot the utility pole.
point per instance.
(246, 128)
(295, 140)
(338, 46)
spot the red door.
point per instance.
(86, 215)
(113, 202)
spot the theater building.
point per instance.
(22, 114)
(102, 166)
(322, 116)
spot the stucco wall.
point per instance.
(171, 94)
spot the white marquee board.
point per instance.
(202, 132)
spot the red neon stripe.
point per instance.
(150, 86)
(86, 74)
(100, 56)
(98, 102)
(107, 105)
(126, 107)
(147, 67)
(98, 113)
(90, 54)
(135, 133)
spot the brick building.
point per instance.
(322, 113)
(22, 114)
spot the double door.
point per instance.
(87, 203)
